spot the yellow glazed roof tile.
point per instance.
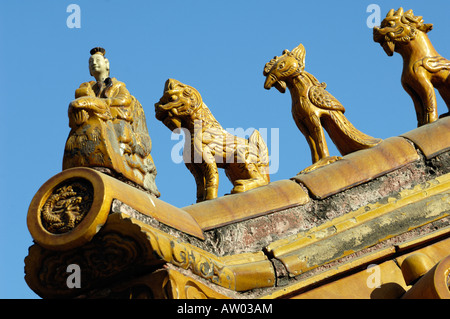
(256, 202)
(359, 167)
(432, 139)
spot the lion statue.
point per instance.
(423, 68)
(209, 147)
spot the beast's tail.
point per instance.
(260, 152)
(345, 136)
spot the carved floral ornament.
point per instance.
(108, 255)
(125, 244)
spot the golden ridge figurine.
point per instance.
(109, 130)
(423, 68)
(313, 109)
(208, 146)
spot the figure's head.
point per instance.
(399, 28)
(98, 64)
(178, 105)
(282, 68)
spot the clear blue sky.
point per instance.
(220, 48)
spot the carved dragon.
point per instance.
(66, 207)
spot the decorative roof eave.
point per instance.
(282, 254)
(133, 246)
(105, 189)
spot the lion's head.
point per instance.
(286, 66)
(399, 28)
(178, 104)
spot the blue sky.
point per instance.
(218, 47)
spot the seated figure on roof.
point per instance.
(109, 130)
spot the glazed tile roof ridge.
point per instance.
(281, 234)
(352, 170)
(276, 196)
(359, 167)
(362, 166)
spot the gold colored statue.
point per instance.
(313, 109)
(108, 129)
(423, 68)
(208, 146)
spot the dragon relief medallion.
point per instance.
(66, 207)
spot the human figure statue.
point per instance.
(109, 130)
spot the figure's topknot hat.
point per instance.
(98, 50)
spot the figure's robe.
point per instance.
(108, 129)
